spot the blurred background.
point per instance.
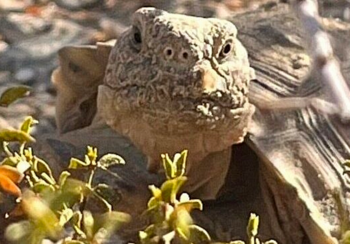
(32, 31)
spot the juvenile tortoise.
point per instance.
(175, 82)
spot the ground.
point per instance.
(31, 33)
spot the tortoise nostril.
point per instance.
(185, 55)
(168, 52)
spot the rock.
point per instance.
(5, 77)
(336, 9)
(26, 76)
(14, 5)
(29, 59)
(42, 49)
(111, 28)
(3, 46)
(78, 4)
(19, 26)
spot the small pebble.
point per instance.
(25, 75)
(78, 4)
(3, 46)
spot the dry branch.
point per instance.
(325, 63)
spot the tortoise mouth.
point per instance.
(209, 110)
(214, 106)
(181, 115)
(207, 104)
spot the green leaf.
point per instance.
(110, 159)
(146, 235)
(88, 223)
(27, 124)
(73, 242)
(275, 242)
(191, 204)
(63, 177)
(198, 235)
(107, 193)
(253, 225)
(107, 223)
(34, 178)
(92, 155)
(28, 154)
(170, 188)
(41, 167)
(15, 136)
(102, 200)
(12, 94)
(76, 223)
(43, 187)
(180, 162)
(38, 211)
(182, 220)
(157, 196)
(168, 166)
(19, 232)
(174, 168)
(5, 148)
(65, 216)
(157, 193)
(346, 238)
(71, 192)
(48, 179)
(9, 162)
(77, 164)
(142, 235)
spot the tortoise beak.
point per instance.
(211, 81)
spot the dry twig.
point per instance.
(325, 63)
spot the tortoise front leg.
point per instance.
(208, 175)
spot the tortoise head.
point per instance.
(178, 72)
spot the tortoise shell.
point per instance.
(289, 168)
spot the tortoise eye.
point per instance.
(226, 49)
(137, 36)
(73, 67)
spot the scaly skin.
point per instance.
(177, 82)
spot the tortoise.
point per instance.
(174, 82)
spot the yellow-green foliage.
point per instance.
(171, 219)
(170, 216)
(51, 205)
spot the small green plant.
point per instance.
(51, 205)
(252, 232)
(170, 216)
(56, 208)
